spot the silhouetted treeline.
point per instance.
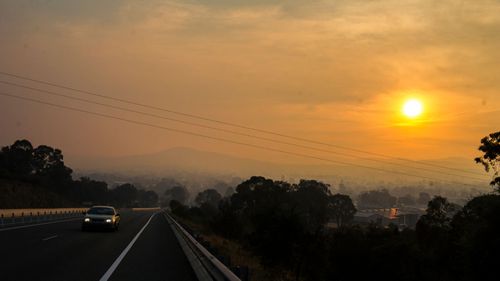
(286, 226)
(38, 177)
(282, 223)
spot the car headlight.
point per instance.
(108, 220)
(86, 220)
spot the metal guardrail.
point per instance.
(217, 269)
(16, 217)
(25, 212)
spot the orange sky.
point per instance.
(331, 71)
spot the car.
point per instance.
(104, 217)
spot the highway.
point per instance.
(61, 251)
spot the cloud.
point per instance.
(308, 67)
(316, 51)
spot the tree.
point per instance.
(89, 191)
(43, 164)
(476, 229)
(124, 195)
(209, 196)
(433, 227)
(342, 209)
(3, 164)
(147, 198)
(45, 158)
(48, 166)
(178, 193)
(437, 210)
(270, 216)
(18, 158)
(490, 146)
(178, 208)
(256, 194)
(312, 202)
(310, 206)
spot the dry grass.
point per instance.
(239, 256)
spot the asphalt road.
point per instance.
(61, 251)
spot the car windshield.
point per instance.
(101, 211)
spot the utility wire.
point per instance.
(229, 131)
(230, 123)
(222, 139)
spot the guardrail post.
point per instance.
(30, 216)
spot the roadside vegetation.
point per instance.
(284, 225)
(283, 231)
(37, 177)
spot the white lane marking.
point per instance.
(115, 264)
(38, 224)
(51, 237)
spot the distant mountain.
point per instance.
(182, 159)
(178, 159)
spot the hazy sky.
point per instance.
(331, 71)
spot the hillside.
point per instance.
(17, 194)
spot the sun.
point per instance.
(412, 108)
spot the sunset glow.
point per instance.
(334, 71)
(316, 138)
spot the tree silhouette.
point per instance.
(437, 211)
(147, 198)
(48, 166)
(124, 195)
(490, 146)
(312, 201)
(342, 209)
(89, 191)
(178, 193)
(433, 227)
(476, 229)
(43, 168)
(209, 196)
(18, 158)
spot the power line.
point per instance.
(222, 139)
(232, 124)
(226, 130)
